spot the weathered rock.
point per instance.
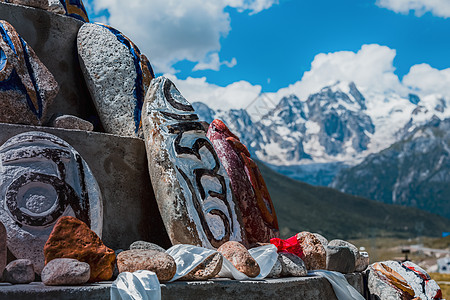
(27, 88)
(19, 271)
(247, 183)
(140, 259)
(65, 271)
(276, 269)
(291, 265)
(72, 8)
(41, 179)
(241, 259)
(363, 262)
(191, 186)
(322, 239)
(3, 248)
(340, 259)
(72, 238)
(359, 261)
(394, 280)
(72, 122)
(314, 254)
(207, 269)
(108, 58)
(146, 246)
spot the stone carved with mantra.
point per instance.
(248, 186)
(27, 88)
(41, 179)
(191, 186)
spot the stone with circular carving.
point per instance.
(41, 179)
(191, 186)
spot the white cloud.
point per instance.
(236, 95)
(440, 8)
(212, 62)
(168, 31)
(424, 80)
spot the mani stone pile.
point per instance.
(209, 191)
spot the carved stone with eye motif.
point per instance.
(191, 186)
(41, 179)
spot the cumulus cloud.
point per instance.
(424, 80)
(168, 31)
(212, 62)
(235, 95)
(440, 8)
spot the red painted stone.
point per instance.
(72, 238)
(248, 186)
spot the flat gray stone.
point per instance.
(146, 246)
(65, 271)
(72, 122)
(191, 186)
(19, 271)
(340, 259)
(120, 166)
(53, 38)
(117, 76)
(291, 265)
(359, 261)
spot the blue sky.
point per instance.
(235, 49)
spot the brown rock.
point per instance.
(72, 238)
(65, 271)
(241, 259)
(315, 256)
(207, 269)
(19, 271)
(72, 122)
(140, 259)
(3, 248)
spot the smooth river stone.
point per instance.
(72, 238)
(19, 271)
(146, 246)
(27, 88)
(65, 271)
(358, 259)
(191, 186)
(314, 254)
(41, 179)
(117, 76)
(340, 259)
(3, 249)
(247, 183)
(241, 259)
(72, 122)
(140, 259)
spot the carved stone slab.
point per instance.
(27, 88)
(191, 186)
(41, 179)
(117, 76)
(249, 188)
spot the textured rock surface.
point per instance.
(340, 259)
(74, 9)
(363, 262)
(65, 271)
(191, 186)
(247, 183)
(315, 256)
(239, 256)
(19, 271)
(322, 239)
(3, 248)
(276, 269)
(117, 76)
(72, 238)
(146, 246)
(139, 259)
(207, 269)
(41, 179)
(395, 280)
(359, 261)
(72, 122)
(27, 88)
(291, 265)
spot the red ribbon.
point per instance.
(290, 245)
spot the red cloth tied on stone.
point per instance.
(290, 245)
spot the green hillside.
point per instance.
(301, 206)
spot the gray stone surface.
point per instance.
(19, 271)
(291, 265)
(305, 288)
(147, 246)
(340, 259)
(72, 122)
(3, 249)
(119, 164)
(359, 261)
(41, 179)
(50, 5)
(53, 38)
(276, 270)
(65, 271)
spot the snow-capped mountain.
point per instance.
(335, 128)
